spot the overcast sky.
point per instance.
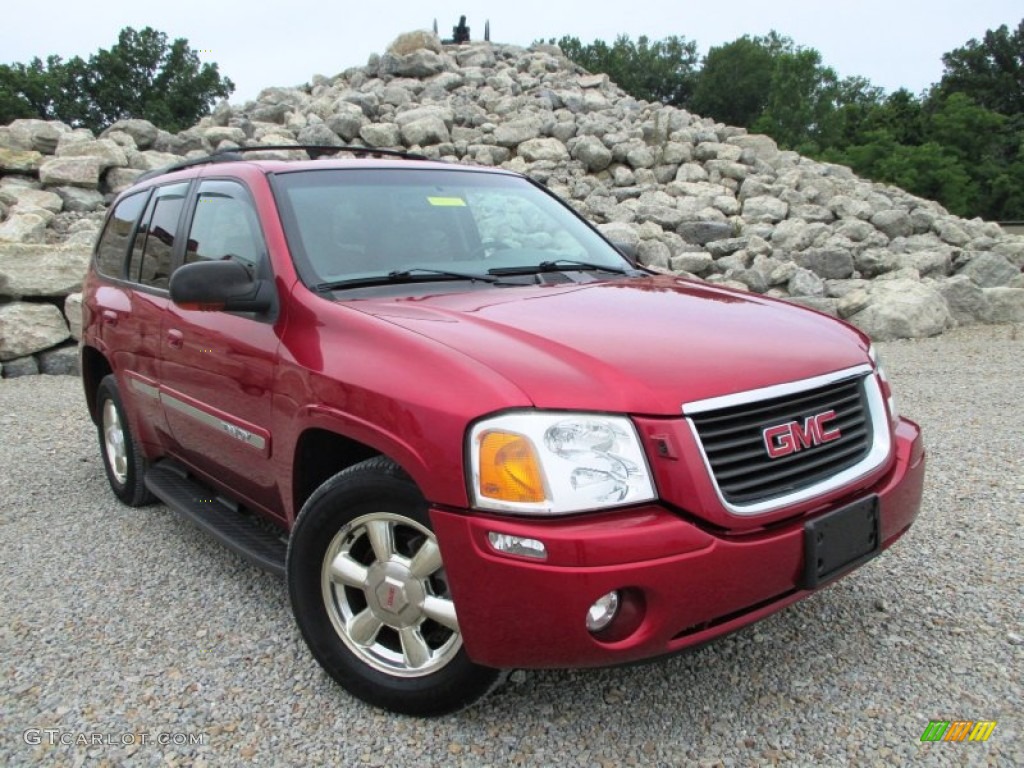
(893, 43)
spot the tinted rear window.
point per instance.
(113, 245)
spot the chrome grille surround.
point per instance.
(876, 454)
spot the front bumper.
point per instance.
(696, 583)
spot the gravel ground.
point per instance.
(129, 625)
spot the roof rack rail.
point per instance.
(315, 152)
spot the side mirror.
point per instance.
(220, 285)
(626, 249)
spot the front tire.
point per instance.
(123, 460)
(371, 598)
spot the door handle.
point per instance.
(175, 338)
(109, 317)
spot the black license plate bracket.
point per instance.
(841, 540)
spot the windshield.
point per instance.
(353, 226)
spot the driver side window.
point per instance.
(224, 226)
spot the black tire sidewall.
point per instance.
(371, 487)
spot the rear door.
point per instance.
(136, 250)
(218, 367)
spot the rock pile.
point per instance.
(693, 197)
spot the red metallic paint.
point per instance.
(408, 376)
(697, 583)
(637, 346)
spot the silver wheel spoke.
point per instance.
(348, 571)
(378, 601)
(442, 611)
(113, 436)
(426, 561)
(363, 627)
(379, 533)
(414, 647)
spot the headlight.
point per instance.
(538, 463)
(876, 361)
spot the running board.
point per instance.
(218, 516)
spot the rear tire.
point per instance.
(123, 461)
(371, 597)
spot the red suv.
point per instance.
(470, 431)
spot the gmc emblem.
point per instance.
(784, 439)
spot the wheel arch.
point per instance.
(94, 368)
(329, 440)
(319, 455)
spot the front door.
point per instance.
(218, 367)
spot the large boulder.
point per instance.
(21, 366)
(989, 270)
(893, 223)
(72, 171)
(151, 160)
(765, 209)
(23, 228)
(27, 198)
(19, 160)
(80, 200)
(381, 134)
(42, 270)
(73, 314)
(119, 179)
(143, 132)
(829, 263)
(29, 328)
(515, 132)
(1005, 305)
(108, 152)
(419, 64)
(347, 120)
(424, 132)
(903, 309)
(417, 40)
(703, 232)
(965, 299)
(61, 361)
(535, 150)
(39, 135)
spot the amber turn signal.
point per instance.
(509, 468)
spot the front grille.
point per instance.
(733, 441)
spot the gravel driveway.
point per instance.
(129, 628)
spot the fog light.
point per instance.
(508, 544)
(603, 611)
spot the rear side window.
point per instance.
(153, 251)
(117, 235)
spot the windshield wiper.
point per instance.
(557, 265)
(404, 276)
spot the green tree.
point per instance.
(900, 114)
(142, 75)
(801, 98)
(990, 71)
(663, 70)
(734, 82)
(970, 131)
(928, 170)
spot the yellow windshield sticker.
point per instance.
(447, 202)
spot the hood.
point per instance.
(641, 346)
